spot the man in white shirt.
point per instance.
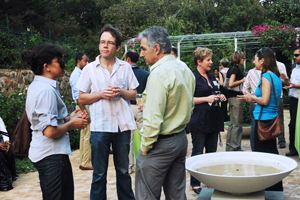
(174, 53)
(85, 162)
(108, 84)
(294, 88)
(282, 70)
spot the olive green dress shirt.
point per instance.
(168, 100)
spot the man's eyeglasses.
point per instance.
(109, 43)
(296, 55)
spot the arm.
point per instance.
(153, 111)
(221, 81)
(199, 100)
(128, 94)
(232, 81)
(265, 93)
(73, 121)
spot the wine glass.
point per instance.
(217, 99)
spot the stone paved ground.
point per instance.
(27, 186)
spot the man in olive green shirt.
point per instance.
(168, 104)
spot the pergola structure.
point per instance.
(188, 43)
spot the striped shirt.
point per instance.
(252, 80)
(107, 115)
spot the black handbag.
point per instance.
(272, 129)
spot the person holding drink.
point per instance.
(269, 83)
(108, 84)
(207, 119)
(48, 115)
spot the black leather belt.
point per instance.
(167, 136)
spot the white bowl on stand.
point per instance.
(240, 184)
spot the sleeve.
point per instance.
(84, 81)
(46, 110)
(154, 110)
(73, 82)
(246, 85)
(132, 81)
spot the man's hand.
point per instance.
(144, 153)
(292, 85)
(111, 93)
(285, 79)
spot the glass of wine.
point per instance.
(217, 99)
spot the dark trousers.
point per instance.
(281, 138)
(292, 125)
(268, 146)
(201, 140)
(56, 178)
(8, 160)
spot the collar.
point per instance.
(117, 63)
(162, 60)
(77, 69)
(198, 75)
(49, 81)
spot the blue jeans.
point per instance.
(56, 178)
(201, 140)
(100, 144)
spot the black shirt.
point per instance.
(239, 76)
(206, 118)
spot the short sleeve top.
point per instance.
(239, 76)
(269, 111)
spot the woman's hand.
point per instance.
(246, 97)
(74, 114)
(222, 97)
(79, 122)
(211, 98)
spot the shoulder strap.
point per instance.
(274, 96)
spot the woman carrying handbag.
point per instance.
(266, 108)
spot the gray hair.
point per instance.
(157, 35)
(224, 62)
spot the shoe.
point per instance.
(292, 153)
(197, 190)
(282, 146)
(85, 168)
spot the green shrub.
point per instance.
(24, 165)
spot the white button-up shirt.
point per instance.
(295, 78)
(73, 82)
(108, 114)
(44, 107)
(252, 80)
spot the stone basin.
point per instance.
(245, 183)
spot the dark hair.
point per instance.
(269, 60)
(79, 56)
(133, 55)
(174, 50)
(114, 32)
(297, 48)
(236, 58)
(40, 55)
(216, 69)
